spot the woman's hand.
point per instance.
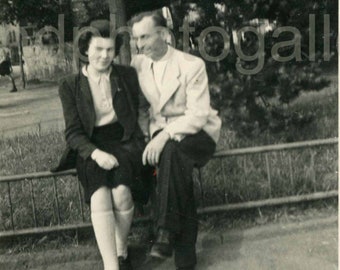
(104, 160)
(154, 148)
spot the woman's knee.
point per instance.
(101, 200)
(122, 198)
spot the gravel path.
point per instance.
(310, 244)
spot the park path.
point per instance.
(307, 245)
(38, 108)
(32, 109)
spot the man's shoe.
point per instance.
(124, 264)
(13, 90)
(162, 248)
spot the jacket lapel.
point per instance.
(148, 84)
(85, 88)
(85, 92)
(87, 100)
(118, 87)
(170, 82)
(122, 105)
(115, 83)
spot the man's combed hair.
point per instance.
(156, 16)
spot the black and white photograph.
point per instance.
(169, 135)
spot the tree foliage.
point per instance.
(249, 103)
(253, 103)
(40, 12)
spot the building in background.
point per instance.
(9, 37)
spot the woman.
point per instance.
(100, 107)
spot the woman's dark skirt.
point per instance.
(130, 171)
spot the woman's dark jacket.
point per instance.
(79, 112)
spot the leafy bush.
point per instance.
(257, 102)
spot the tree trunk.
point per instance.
(22, 71)
(118, 19)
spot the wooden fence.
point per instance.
(7, 181)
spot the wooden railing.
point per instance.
(7, 181)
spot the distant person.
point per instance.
(100, 106)
(183, 131)
(6, 68)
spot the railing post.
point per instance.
(312, 170)
(268, 175)
(225, 195)
(290, 171)
(10, 204)
(33, 203)
(56, 199)
(80, 202)
(244, 178)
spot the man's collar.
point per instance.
(165, 57)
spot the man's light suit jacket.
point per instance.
(183, 103)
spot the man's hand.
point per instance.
(104, 160)
(154, 148)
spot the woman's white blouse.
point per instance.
(100, 86)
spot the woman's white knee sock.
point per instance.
(104, 229)
(123, 225)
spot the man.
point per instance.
(183, 131)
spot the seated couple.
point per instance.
(122, 123)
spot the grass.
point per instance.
(33, 153)
(293, 172)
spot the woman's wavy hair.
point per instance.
(103, 30)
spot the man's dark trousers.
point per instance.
(176, 209)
